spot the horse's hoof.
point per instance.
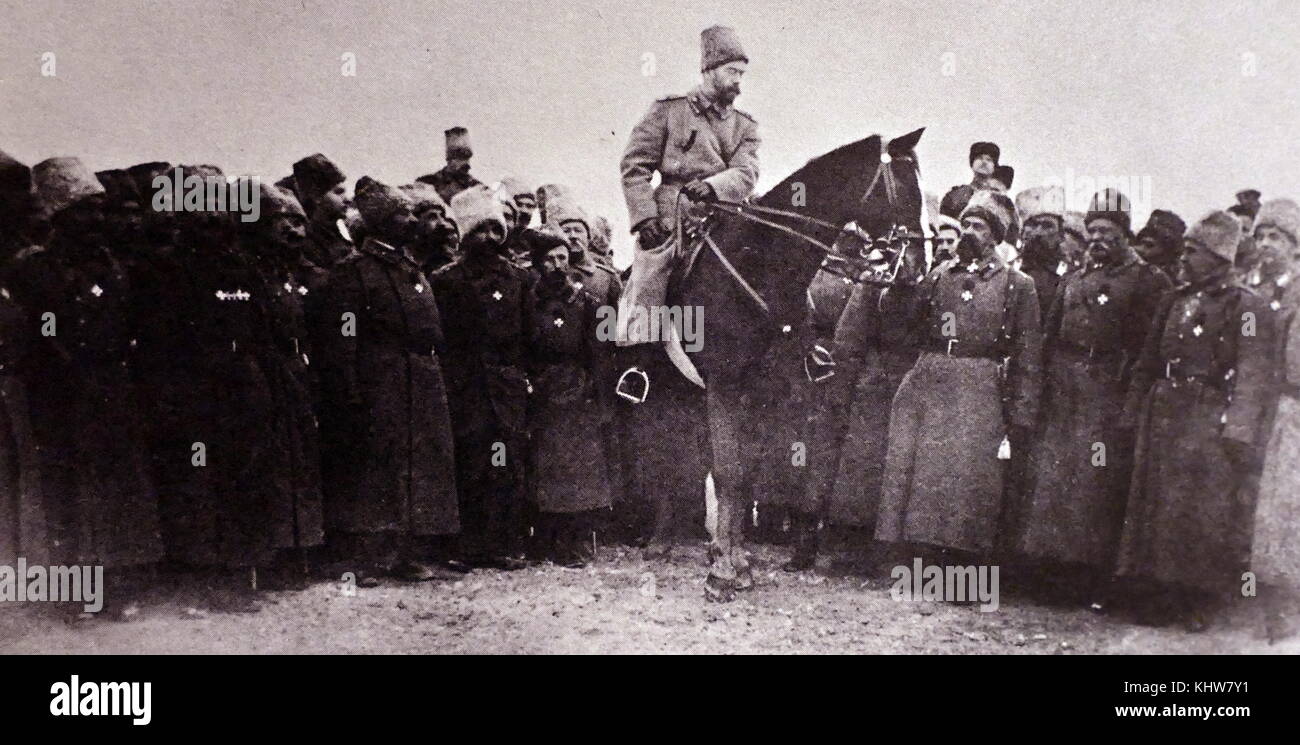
(744, 581)
(718, 590)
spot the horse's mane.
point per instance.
(779, 195)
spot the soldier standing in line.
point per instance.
(213, 444)
(971, 400)
(1081, 461)
(275, 241)
(99, 498)
(1198, 400)
(391, 485)
(1275, 552)
(872, 350)
(486, 305)
(569, 369)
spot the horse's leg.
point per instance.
(726, 418)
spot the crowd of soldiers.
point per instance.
(1138, 390)
(407, 383)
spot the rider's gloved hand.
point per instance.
(651, 233)
(699, 191)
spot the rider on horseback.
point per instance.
(703, 148)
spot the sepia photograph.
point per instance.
(601, 327)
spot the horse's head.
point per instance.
(868, 182)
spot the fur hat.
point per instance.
(425, 196)
(956, 200)
(458, 143)
(947, 221)
(718, 46)
(476, 206)
(985, 148)
(1219, 232)
(995, 208)
(547, 192)
(119, 187)
(1165, 227)
(315, 176)
(560, 211)
(1283, 214)
(513, 187)
(1072, 222)
(377, 202)
(62, 182)
(541, 241)
(1041, 200)
(277, 201)
(1110, 204)
(15, 178)
(1249, 198)
(143, 175)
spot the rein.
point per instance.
(758, 214)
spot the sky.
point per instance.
(1185, 102)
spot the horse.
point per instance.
(749, 274)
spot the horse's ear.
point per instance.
(903, 146)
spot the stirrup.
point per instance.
(823, 364)
(640, 382)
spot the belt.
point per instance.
(1174, 375)
(956, 348)
(1092, 353)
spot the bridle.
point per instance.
(884, 175)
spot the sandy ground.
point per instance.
(621, 604)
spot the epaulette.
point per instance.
(745, 114)
(586, 296)
(671, 97)
(445, 271)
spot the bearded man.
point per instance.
(437, 235)
(702, 147)
(486, 305)
(971, 399)
(319, 185)
(1160, 242)
(1041, 256)
(390, 480)
(1198, 401)
(1082, 456)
